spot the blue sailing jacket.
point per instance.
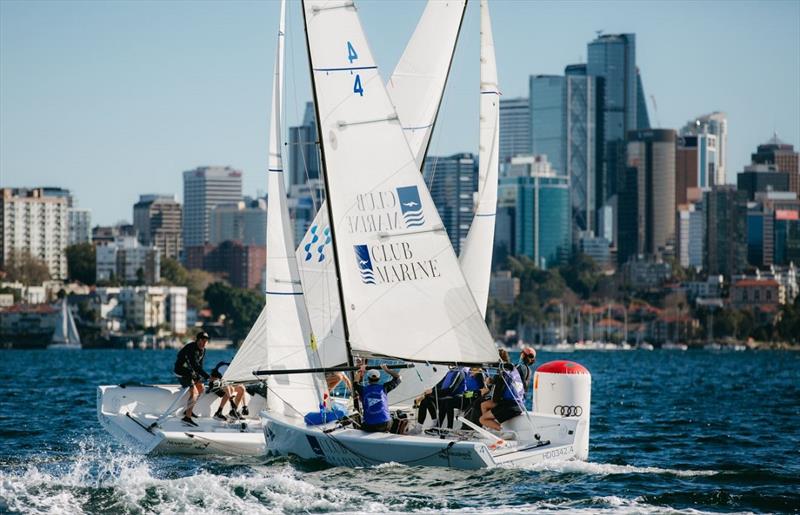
(376, 405)
(514, 389)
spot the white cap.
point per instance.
(373, 375)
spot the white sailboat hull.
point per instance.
(355, 448)
(130, 412)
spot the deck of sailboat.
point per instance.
(347, 446)
(148, 419)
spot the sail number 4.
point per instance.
(352, 55)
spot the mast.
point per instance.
(328, 203)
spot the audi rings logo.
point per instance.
(568, 411)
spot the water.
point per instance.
(695, 431)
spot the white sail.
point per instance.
(415, 88)
(288, 342)
(72, 331)
(476, 256)
(417, 83)
(403, 292)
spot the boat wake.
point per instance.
(105, 480)
(608, 469)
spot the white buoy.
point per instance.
(564, 388)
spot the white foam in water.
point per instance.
(606, 469)
(48, 487)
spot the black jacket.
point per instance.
(190, 361)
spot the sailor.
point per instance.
(527, 358)
(474, 384)
(189, 369)
(508, 398)
(452, 394)
(334, 379)
(228, 393)
(438, 399)
(376, 418)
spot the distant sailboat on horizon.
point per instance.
(66, 334)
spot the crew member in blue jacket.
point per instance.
(444, 397)
(508, 398)
(376, 417)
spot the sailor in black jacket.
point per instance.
(189, 369)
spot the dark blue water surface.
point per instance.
(672, 431)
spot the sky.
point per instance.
(116, 99)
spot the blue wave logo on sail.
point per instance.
(411, 206)
(317, 235)
(364, 264)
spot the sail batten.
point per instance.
(403, 294)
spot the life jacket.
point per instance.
(472, 383)
(451, 378)
(514, 389)
(376, 405)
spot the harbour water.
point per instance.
(695, 431)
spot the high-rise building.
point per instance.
(36, 223)
(783, 156)
(584, 143)
(695, 164)
(760, 236)
(787, 237)
(612, 57)
(758, 178)
(642, 117)
(203, 189)
(303, 153)
(79, 224)
(646, 214)
(542, 221)
(453, 181)
(243, 265)
(715, 123)
(127, 260)
(157, 220)
(690, 229)
(515, 128)
(548, 117)
(726, 230)
(244, 221)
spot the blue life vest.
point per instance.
(514, 389)
(451, 378)
(471, 383)
(376, 405)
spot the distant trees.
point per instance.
(81, 263)
(26, 268)
(239, 307)
(196, 281)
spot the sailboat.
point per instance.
(66, 335)
(146, 417)
(401, 289)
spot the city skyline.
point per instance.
(141, 91)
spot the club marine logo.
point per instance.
(316, 236)
(411, 206)
(364, 264)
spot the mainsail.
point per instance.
(416, 88)
(288, 341)
(476, 257)
(403, 293)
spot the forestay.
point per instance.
(415, 88)
(288, 341)
(476, 256)
(403, 291)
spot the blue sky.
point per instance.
(115, 99)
